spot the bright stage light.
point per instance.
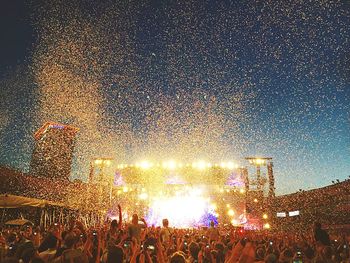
(230, 165)
(231, 212)
(98, 161)
(171, 165)
(201, 165)
(265, 216)
(144, 165)
(234, 222)
(143, 196)
(267, 226)
(183, 210)
(125, 189)
(242, 191)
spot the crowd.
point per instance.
(136, 242)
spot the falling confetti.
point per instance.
(193, 80)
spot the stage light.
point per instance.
(234, 222)
(255, 200)
(242, 191)
(192, 210)
(221, 190)
(223, 165)
(145, 165)
(119, 192)
(171, 164)
(201, 165)
(213, 206)
(231, 212)
(265, 216)
(98, 161)
(143, 196)
(230, 165)
(267, 226)
(228, 205)
(125, 189)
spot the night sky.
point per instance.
(186, 80)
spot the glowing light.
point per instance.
(192, 208)
(265, 216)
(143, 196)
(171, 164)
(125, 189)
(234, 222)
(242, 191)
(231, 212)
(213, 206)
(221, 190)
(267, 226)
(144, 165)
(255, 200)
(201, 165)
(228, 205)
(230, 165)
(98, 161)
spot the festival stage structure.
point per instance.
(189, 194)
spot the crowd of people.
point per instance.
(114, 242)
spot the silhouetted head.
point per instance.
(165, 222)
(135, 219)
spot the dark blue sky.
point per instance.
(193, 79)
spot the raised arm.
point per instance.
(120, 217)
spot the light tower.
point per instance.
(100, 178)
(259, 181)
(258, 199)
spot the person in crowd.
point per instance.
(72, 254)
(178, 257)
(115, 254)
(62, 247)
(25, 242)
(213, 232)
(49, 254)
(320, 235)
(134, 229)
(166, 232)
(12, 244)
(193, 249)
(115, 227)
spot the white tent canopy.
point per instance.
(14, 201)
